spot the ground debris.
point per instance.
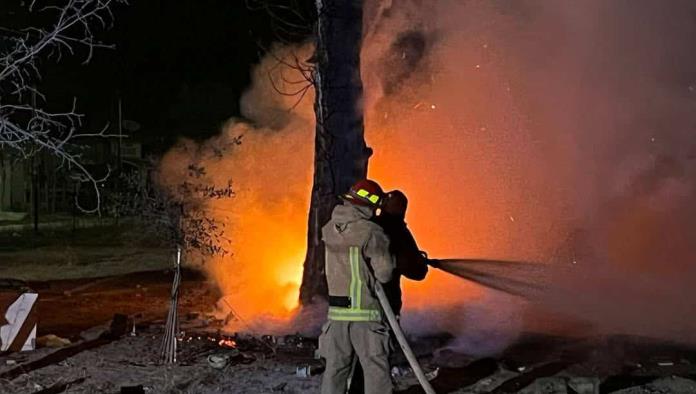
(139, 389)
(60, 386)
(116, 331)
(265, 364)
(667, 385)
(53, 341)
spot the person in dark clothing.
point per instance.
(411, 262)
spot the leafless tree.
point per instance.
(291, 20)
(26, 128)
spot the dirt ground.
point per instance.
(534, 364)
(80, 309)
(132, 362)
(83, 253)
(144, 296)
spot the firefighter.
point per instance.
(357, 255)
(410, 261)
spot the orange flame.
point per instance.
(227, 343)
(455, 150)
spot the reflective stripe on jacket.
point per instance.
(357, 254)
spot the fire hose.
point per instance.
(401, 338)
(495, 274)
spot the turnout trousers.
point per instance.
(341, 341)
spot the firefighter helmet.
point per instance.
(395, 204)
(366, 193)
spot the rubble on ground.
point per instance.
(214, 362)
(123, 356)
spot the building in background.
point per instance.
(55, 185)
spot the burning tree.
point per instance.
(26, 127)
(341, 155)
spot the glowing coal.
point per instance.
(227, 343)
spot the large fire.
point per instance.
(477, 125)
(466, 192)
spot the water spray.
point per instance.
(511, 277)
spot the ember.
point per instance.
(228, 343)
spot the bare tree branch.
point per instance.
(28, 129)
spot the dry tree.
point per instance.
(179, 215)
(26, 127)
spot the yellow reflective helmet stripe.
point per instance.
(373, 198)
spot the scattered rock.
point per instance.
(93, 333)
(218, 361)
(584, 385)
(548, 385)
(663, 386)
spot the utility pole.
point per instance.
(120, 130)
(34, 173)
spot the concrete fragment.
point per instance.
(218, 361)
(584, 385)
(547, 385)
(18, 320)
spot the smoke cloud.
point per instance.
(558, 132)
(265, 221)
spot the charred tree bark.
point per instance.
(341, 154)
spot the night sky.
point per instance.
(179, 66)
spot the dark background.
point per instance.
(178, 66)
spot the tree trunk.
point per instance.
(341, 154)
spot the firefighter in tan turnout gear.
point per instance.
(357, 255)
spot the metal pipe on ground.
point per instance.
(169, 342)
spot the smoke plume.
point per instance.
(560, 132)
